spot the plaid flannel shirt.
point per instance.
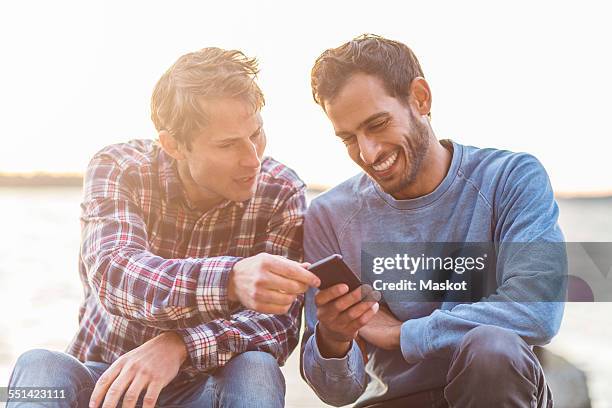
(151, 262)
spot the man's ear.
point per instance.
(420, 96)
(171, 145)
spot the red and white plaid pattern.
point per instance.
(152, 262)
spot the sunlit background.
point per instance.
(526, 76)
(76, 76)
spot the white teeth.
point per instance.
(387, 163)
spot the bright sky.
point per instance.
(522, 75)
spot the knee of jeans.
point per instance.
(256, 366)
(255, 358)
(40, 366)
(492, 347)
(251, 379)
(256, 361)
(38, 359)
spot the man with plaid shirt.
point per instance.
(190, 256)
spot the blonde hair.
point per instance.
(176, 104)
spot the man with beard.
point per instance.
(416, 188)
(191, 251)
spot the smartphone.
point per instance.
(332, 271)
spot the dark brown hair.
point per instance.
(176, 104)
(391, 61)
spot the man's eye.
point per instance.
(348, 140)
(226, 146)
(379, 125)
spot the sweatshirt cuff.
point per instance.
(347, 366)
(414, 340)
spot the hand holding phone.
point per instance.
(341, 310)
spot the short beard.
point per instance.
(418, 147)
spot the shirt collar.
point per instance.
(168, 176)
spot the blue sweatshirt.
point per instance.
(488, 195)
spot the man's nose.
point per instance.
(249, 157)
(369, 149)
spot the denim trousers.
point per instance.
(250, 379)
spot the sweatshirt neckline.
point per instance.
(423, 201)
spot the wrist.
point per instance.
(330, 347)
(231, 287)
(396, 335)
(178, 344)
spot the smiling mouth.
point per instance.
(247, 179)
(386, 165)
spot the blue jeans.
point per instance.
(250, 379)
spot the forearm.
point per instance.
(438, 334)
(329, 348)
(528, 301)
(158, 292)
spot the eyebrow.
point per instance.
(369, 119)
(231, 139)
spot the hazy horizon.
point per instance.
(521, 76)
(311, 186)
